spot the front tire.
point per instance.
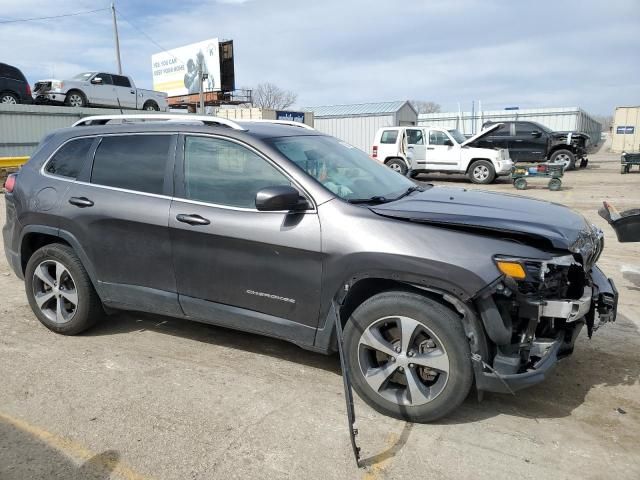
(397, 165)
(75, 99)
(482, 172)
(408, 356)
(564, 157)
(60, 292)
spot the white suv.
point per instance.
(414, 150)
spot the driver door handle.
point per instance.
(431, 148)
(192, 219)
(81, 202)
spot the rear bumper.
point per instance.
(503, 167)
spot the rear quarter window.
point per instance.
(132, 162)
(69, 159)
(389, 136)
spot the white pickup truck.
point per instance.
(416, 150)
(99, 89)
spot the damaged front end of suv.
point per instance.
(535, 312)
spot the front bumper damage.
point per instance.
(546, 333)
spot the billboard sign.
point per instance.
(176, 71)
(290, 116)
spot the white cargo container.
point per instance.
(625, 134)
(357, 124)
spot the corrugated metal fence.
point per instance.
(23, 126)
(558, 119)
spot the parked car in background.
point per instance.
(99, 89)
(14, 87)
(280, 230)
(533, 142)
(430, 149)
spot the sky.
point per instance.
(501, 52)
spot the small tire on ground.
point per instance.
(397, 165)
(440, 320)
(150, 105)
(566, 157)
(75, 98)
(555, 184)
(624, 169)
(520, 184)
(584, 162)
(9, 98)
(413, 174)
(89, 308)
(482, 172)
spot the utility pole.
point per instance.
(115, 32)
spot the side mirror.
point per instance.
(96, 80)
(448, 143)
(536, 133)
(281, 198)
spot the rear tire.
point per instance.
(555, 184)
(60, 291)
(151, 106)
(482, 172)
(520, 184)
(418, 332)
(8, 98)
(564, 157)
(397, 165)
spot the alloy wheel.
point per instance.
(403, 361)
(54, 291)
(75, 100)
(481, 172)
(8, 99)
(563, 159)
(396, 168)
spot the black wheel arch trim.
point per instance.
(68, 238)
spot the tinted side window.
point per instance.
(525, 128)
(134, 162)
(389, 136)
(106, 78)
(503, 131)
(121, 81)
(68, 161)
(437, 137)
(225, 173)
(414, 137)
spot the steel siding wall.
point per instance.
(357, 131)
(626, 116)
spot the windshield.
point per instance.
(457, 136)
(341, 168)
(83, 76)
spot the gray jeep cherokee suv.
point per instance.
(279, 229)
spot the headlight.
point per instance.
(56, 85)
(531, 268)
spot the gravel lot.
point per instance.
(143, 396)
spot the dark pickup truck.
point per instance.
(533, 142)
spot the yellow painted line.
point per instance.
(74, 449)
(381, 465)
(9, 162)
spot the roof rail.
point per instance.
(281, 122)
(150, 117)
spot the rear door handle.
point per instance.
(81, 202)
(431, 148)
(192, 219)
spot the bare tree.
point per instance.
(423, 106)
(268, 95)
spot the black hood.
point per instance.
(490, 212)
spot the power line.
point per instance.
(147, 36)
(18, 20)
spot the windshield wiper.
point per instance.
(375, 199)
(409, 191)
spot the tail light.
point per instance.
(10, 183)
(375, 151)
(28, 89)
